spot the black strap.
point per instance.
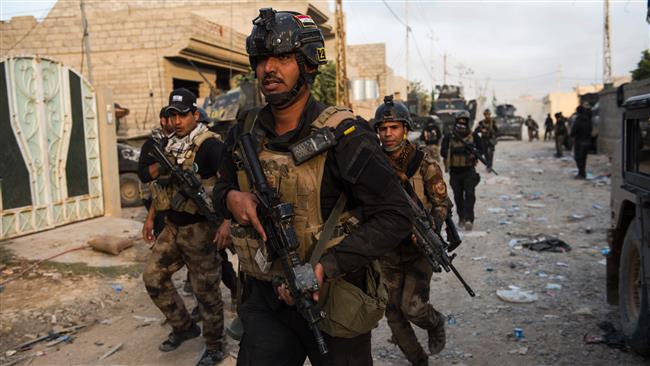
(414, 164)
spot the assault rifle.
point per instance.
(277, 219)
(190, 186)
(429, 241)
(452, 232)
(474, 151)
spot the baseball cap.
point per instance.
(182, 100)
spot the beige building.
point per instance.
(371, 78)
(567, 102)
(142, 49)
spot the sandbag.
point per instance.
(110, 244)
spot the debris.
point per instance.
(588, 230)
(146, 319)
(117, 287)
(561, 264)
(597, 206)
(534, 196)
(489, 269)
(495, 210)
(514, 243)
(505, 197)
(518, 333)
(603, 262)
(584, 311)
(504, 222)
(548, 245)
(474, 234)
(576, 217)
(612, 337)
(111, 351)
(10, 353)
(537, 171)
(519, 351)
(516, 295)
(479, 258)
(63, 338)
(553, 286)
(604, 252)
(451, 320)
(50, 336)
(99, 343)
(110, 244)
(535, 205)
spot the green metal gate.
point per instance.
(50, 172)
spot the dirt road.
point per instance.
(534, 194)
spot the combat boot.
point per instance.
(468, 225)
(437, 338)
(175, 339)
(210, 358)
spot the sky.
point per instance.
(509, 48)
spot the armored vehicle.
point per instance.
(508, 124)
(449, 102)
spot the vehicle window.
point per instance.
(643, 148)
(459, 105)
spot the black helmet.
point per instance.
(392, 111)
(280, 32)
(462, 115)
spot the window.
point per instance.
(364, 89)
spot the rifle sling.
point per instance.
(328, 229)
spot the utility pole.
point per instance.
(444, 66)
(86, 39)
(406, 19)
(342, 89)
(607, 50)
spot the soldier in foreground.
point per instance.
(407, 271)
(285, 49)
(187, 238)
(488, 130)
(461, 165)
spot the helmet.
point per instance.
(279, 32)
(462, 115)
(392, 111)
(486, 111)
(203, 116)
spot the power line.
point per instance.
(395, 15)
(417, 48)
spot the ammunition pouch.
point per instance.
(349, 311)
(160, 196)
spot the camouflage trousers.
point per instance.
(189, 245)
(408, 301)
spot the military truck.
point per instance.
(628, 261)
(449, 102)
(223, 109)
(508, 124)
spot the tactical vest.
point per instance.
(418, 179)
(168, 196)
(457, 155)
(299, 185)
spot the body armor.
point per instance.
(458, 156)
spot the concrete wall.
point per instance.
(609, 137)
(368, 62)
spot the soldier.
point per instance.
(561, 133)
(431, 138)
(187, 238)
(488, 131)
(533, 128)
(461, 166)
(285, 49)
(581, 134)
(548, 128)
(407, 271)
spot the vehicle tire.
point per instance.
(130, 190)
(520, 134)
(633, 297)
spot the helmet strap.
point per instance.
(394, 148)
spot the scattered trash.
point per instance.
(519, 351)
(474, 234)
(10, 353)
(597, 206)
(515, 243)
(117, 287)
(451, 320)
(588, 230)
(146, 319)
(63, 338)
(98, 343)
(479, 258)
(612, 337)
(534, 196)
(111, 351)
(554, 245)
(535, 205)
(489, 269)
(541, 219)
(537, 171)
(50, 336)
(584, 311)
(576, 217)
(604, 252)
(561, 264)
(553, 286)
(516, 295)
(495, 210)
(603, 262)
(542, 275)
(504, 197)
(504, 222)
(518, 333)
(551, 316)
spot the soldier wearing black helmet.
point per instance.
(350, 185)
(407, 271)
(488, 130)
(461, 165)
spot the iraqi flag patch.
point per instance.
(305, 20)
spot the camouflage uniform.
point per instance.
(406, 271)
(191, 245)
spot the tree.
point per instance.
(643, 68)
(324, 88)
